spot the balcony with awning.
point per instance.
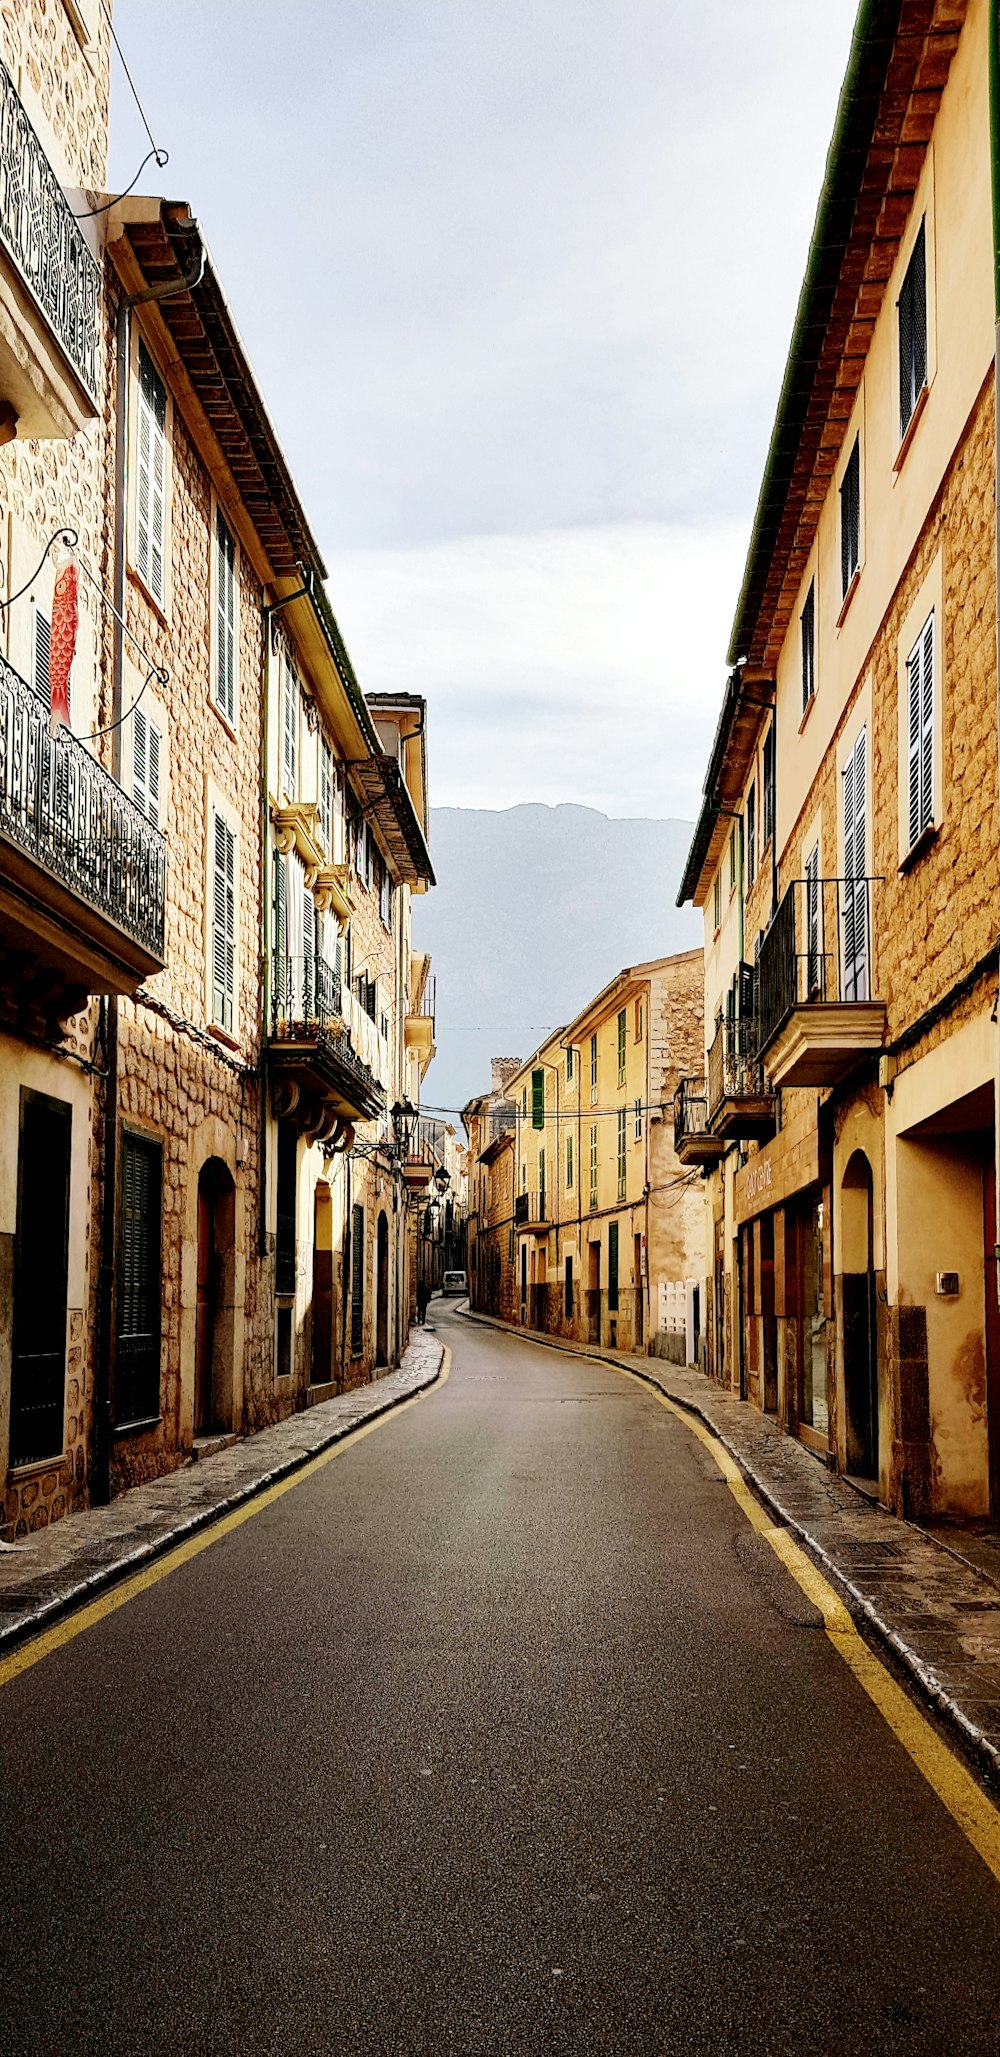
(82, 871)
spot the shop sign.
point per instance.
(758, 1177)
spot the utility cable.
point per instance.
(106, 11)
(162, 158)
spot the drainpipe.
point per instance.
(994, 77)
(104, 1356)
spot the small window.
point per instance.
(622, 1153)
(225, 620)
(223, 922)
(807, 628)
(850, 518)
(732, 861)
(593, 1071)
(569, 1064)
(569, 1163)
(622, 1041)
(290, 731)
(751, 833)
(911, 308)
(593, 1164)
(326, 790)
(767, 790)
(717, 903)
(146, 766)
(920, 733)
(638, 1021)
(151, 478)
(638, 1121)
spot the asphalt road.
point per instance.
(501, 1734)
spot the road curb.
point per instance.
(78, 1591)
(906, 1658)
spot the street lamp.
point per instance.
(442, 1179)
(404, 1117)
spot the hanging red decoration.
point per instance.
(62, 642)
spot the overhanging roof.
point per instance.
(382, 792)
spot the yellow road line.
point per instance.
(954, 1785)
(63, 1632)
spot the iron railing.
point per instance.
(62, 807)
(426, 1008)
(734, 1068)
(45, 239)
(529, 1207)
(690, 1109)
(818, 948)
(305, 991)
(522, 1203)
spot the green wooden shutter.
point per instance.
(920, 732)
(225, 619)
(538, 1099)
(223, 923)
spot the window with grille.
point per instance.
(622, 1162)
(225, 620)
(289, 730)
(767, 791)
(139, 1285)
(622, 1037)
(850, 518)
(146, 766)
(911, 308)
(920, 733)
(593, 1071)
(223, 922)
(538, 1099)
(751, 833)
(593, 1164)
(151, 477)
(807, 634)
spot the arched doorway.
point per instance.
(860, 1337)
(214, 1325)
(382, 1290)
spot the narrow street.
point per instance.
(501, 1733)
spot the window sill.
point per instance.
(159, 606)
(917, 850)
(908, 434)
(807, 709)
(223, 1035)
(849, 595)
(220, 712)
(121, 1429)
(21, 1471)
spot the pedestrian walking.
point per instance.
(423, 1295)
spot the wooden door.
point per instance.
(992, 1328)
(205, 1317)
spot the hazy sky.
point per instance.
(517, 278)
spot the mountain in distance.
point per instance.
(535, 910)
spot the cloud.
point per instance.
(575, 664)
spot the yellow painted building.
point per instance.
(605, 1229)
(846, 855)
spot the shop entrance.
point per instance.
(808, 1226)
(214, 1320)
(382, 1291)
(859, 1323)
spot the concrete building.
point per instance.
(211, 1029)
(846, 852)
(594, 1227)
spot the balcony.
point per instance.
(531, 1213)
(50, 288)
(739, 1108)
(319, 1082)
(694, 1142)
(816, 1015)
(418, 1028)
(82, 872)
(418, 1170)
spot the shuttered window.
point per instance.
(751, 833)
(612, 1267)
(807, 630)
(223, 922)
(593, 1071)
(309, 954)
(850, 518)
(538, 1099)
(357, 1280)
(622, 1037)
(638, 1121)
(920, 733)
(290, 731)
(569, 1065)
(569, 1163)
(593, 1164)
(139, 1288)
(767, 791)
(151, 477)
(326, 777)
(814, 968)
(855, 917)
(225, 620)
(146, 766)
(280, 934)
(911, 309)
(622, 1161)
(43, 638)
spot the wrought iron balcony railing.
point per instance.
(66, 812)
(734, 1068)
(690, 1110)
(817, 949)
(45, 239)
(305, 993)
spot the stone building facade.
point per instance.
(846, 854)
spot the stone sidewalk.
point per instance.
(934, 1610)
(69, 1563)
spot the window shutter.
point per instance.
(326, 797)
(812, 921)
(137, 1358)
(569, 1163)
(920, 732)
(290, 737)
(767, 826)
(538, 1099)
(146, 766)
(751, 832)
(223, 924)
(43, 637)
(912, 312)
(151, 481)
(850, 518)
(855, 907)
(225, 620)
(808, 626)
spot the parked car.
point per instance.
(454, 1282)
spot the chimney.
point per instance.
(503, 1069)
